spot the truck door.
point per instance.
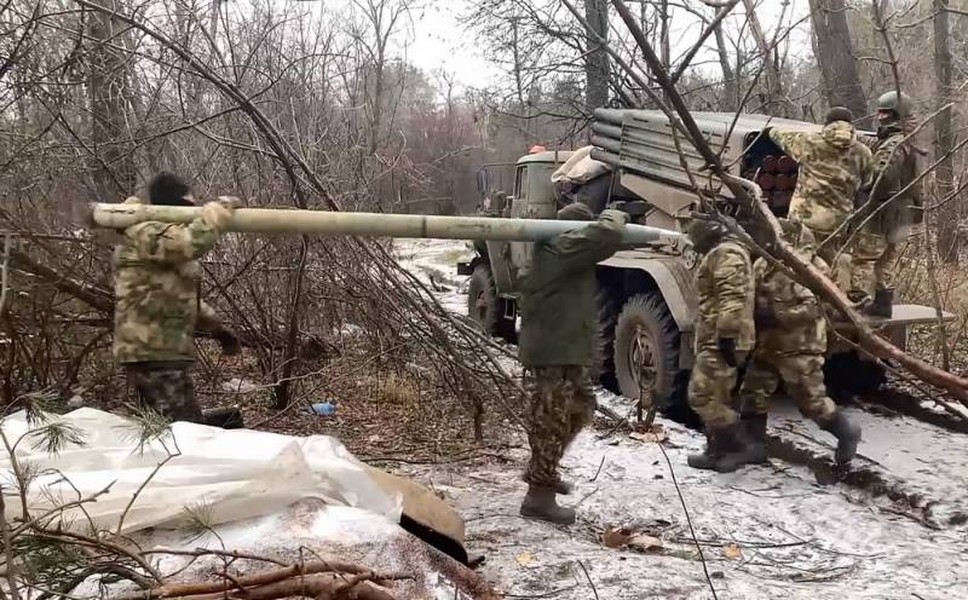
(522, 208)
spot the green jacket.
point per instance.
(559, 311)
(156, 290)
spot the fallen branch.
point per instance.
(320, 587)
(335, 570)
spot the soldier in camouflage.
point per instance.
(157, 305)
(875, 245)
(791, 340)
(556, 346)
(724, 337)
(834, 166)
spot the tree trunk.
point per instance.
(596, 59)
(943, 138)
(835, 56)
(774, 101)
(112, 164)
(730, 85)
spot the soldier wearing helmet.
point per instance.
(791, 340)
(896, 166)
(556, 346)
(724, 336)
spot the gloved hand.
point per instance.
(229, 342)
(727, 349)
(231, 202)
(765, 317)
(615, 215)
(216, 214)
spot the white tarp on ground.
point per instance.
(227, 474)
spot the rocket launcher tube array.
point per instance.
(269, 220)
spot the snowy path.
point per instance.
(766, 532)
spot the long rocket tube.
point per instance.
(269, 220)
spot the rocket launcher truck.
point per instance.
(647, 294)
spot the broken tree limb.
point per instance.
(338, 575)
(768, 234)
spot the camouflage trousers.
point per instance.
(802, 377)
(562, 403)
(711, 387)
(166, 388)
(874, 259)
(841, 264)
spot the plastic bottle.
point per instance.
(323, 409)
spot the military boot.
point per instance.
(540, 503)
(847, 434)
(883, 303)
(738, 449)
(756, 433)
(561, 486)
(726, 449)
(708, 458)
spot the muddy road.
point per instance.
(892, 525)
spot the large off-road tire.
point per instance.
(482, 300)
(646, 336)
(485, 307)
(847, 375)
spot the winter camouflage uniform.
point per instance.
(157, 307)
(834, 166)
(791, 339)
(724, 283)
(874, 247)
(556, 345)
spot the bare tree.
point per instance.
(596, 59)
(107, 86)
(944, 138)
(836, 58)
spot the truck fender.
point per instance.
(674, 280)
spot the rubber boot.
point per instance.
(756, 434)
(540, 503)
(847, 434)
(228, 417)
(883, 303)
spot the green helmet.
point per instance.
(899, 106)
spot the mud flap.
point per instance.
(425, 515)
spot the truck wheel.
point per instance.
(647, 343)
(482, 301)
(847, 375)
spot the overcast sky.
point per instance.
(435, 39)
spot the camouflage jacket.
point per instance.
(156, 290)
(559, 310)
(895, 166)
(800, 326)
(834, 166)
(725, 286)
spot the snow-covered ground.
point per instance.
(765, 532)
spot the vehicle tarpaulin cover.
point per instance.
(226, 474)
